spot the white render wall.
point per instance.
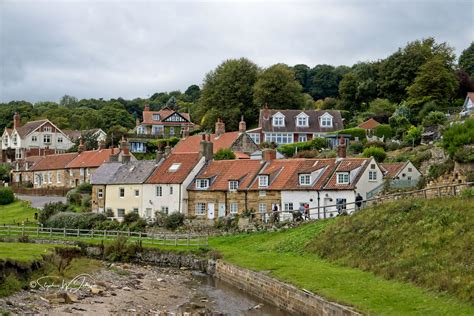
(128, 202)
(414, 173)
(365, 185)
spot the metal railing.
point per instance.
(164, 239)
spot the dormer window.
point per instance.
(302, 120)
(156, 117)
(326, 120)
(342, 178)
(233, 185)
(305, 179)
(263, 181)
(202, 184)
(278, 120)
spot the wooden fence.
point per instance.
(165, 239)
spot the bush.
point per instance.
(224, 154)
(391, 146)
(383, 130)
(464, 154)
(75, 220)
(85, 188)
(376, 152)
(130, 218)
(458, 136)
(120, 250)
(51, 209)
(174, 220)
(356, 147)
(327, 154)
(86, 202)
(467, 193)
(354, 132)
(315, 144)
(436, 171)
(413, 136)
(375, 144)
(6, 196)
(227, 223)
(434, 118)
(74, 197)
(307, 154)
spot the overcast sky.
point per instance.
(130, 49)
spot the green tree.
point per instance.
(435, 81)
(5, 172)
(458, 136)
(413, 136)
(277, 87)
(192, 93)
(302, 75)
(377, 152)
(224, 154)
(324, 81)
(348, 91)
(68, 101)
(434, 118)
(382, 108)
(466, 60)
(114, 114)
(172, 103)
(228, 93)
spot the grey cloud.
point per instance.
(135, 48)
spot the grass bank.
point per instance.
(17, 212)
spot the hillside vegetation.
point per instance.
(427, 242)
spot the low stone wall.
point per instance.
(282, 295)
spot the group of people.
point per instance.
(301, 214)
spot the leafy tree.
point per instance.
(327, 104)
(382, 108)
(172, 103)
(434, 118)
(323, 82)
(277, 87)
(399, 70)
(224, 154)
(458, 136)
(5, 172)
(68, 101)
(413, 136)
(114, 114)
(228, 93)
(348, 91)
(434, 81)
(383, 130)
(466, 60)
(302, 75)
(466, 84)
(115, 134)
(377, 152)
(192, 93)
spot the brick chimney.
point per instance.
(185, 131)
(16, 120)
(268, 154)
(81, 146)
(206, 147)
(137, 121)
(242, 125)
(113, 156)
(220, 127)
(125, 150)
(147, 108)
(266, 112)
(159, 155)
(341, 148)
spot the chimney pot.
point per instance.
(81, 146)
(16, 120)
(220, 127)
(242, 125)
(268, 154)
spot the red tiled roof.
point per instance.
(91, 158)
(241, 155)
(392, 169)
(369, 124)
(54, 162)
(222, 171)
(162, 174)
(191, 143)
(471, 96)
(164, 113)
(347, 165)
(31, 161)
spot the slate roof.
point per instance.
(369, 124)
(91, 158)
(392, 169)
(162, 174)
(265, 121)
(164, 113)
(54, 162)
(191, 144)
(133, 172)
(105, 173)
(348, 165)
(222, 171)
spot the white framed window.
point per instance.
(47, 129)
(278, 120)
(148, 212)
(262, 207)
(171, 190)
(234, 208)
(372, 166)
(305, 179)
(302, 138)
(302, 121)
(47, 139)
(58, 176)
(60, 139)
(410, 169)
(156, 117)
(202, 184)
(81, 171)
(263, 181)
(200, 209)
(326, 121)
(141, 130)
(279, 138)
(34, 139)
(255, 137)
(342, 178)
(50, 177)
(341, 204)
(372, 175)
(159, 190)
(100, 193)
(233, 185)
(137, 193)
(165, 209)
(121, 192)
(288, 207)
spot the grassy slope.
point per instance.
(283, 255)
(17, 212)
(23, 252)
(427, 242)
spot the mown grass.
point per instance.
(17, 212)
(427, 242)
(23, 252)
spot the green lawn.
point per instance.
(282, 254)
(17, 212)
(24, 252)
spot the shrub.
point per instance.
(457, 136)
(75, 220)
(327, 154)
(109, 213)
(51, 209)
(383, 130)
(354, 132)
(224, 154)
(413, 136)
(227, 223)
(86, 202)
(174, 220)
(74, 197)
(436, 171)
(434, 118)
(356, 147)
(464, 154)
(375, 144)
(85, 188)
(119, 250)
(6, 196)
(130, 218)
(391, 146)
(376, 152)
(307, 154)
(61, 258)
(248, 213)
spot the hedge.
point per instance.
(315, 144)
(6, 196)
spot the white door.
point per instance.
(210, 210)
(221, 210)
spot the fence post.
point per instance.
(324, 211)
(129, 232)
(22, 230)
(92, 233)
(424, 193)
(78, 232)
(187, 243)
(37, 231)
(105, 234)
(454, 190)
(139, 235)
(50, 232)
(64, 231)
(439, 192)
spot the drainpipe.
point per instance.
(246, 205)
(318, 202)
(179, 202)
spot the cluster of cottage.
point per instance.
(186, 179)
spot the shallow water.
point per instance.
(230, 300)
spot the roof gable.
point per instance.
(369, 124)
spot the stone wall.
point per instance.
(284, 296)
